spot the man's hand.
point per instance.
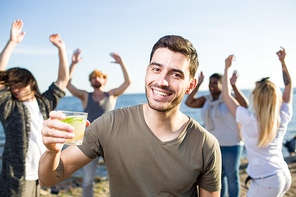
(56, 132)
(233, 78)
(76, 56)
(16, 34)
(57, 41)
(281, 54)
(200, 78)
(117, 58)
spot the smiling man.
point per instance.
(151, 149)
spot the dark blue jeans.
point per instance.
(230, 170)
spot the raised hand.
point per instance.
(16, 34)
(200, 78)
(57, 41)
(281, 54)
(228, 61)
(117, 58)
(76, 56)
(233, 78)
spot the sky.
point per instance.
(252, 30)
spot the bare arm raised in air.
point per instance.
(288, 92)
(239, 96)
(127, 77)
(16, 36)
(229, 100)
(63, 75)
(56, 165)
(193, 102)
(81, 94)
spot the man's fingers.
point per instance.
(57, 115)
(54, 133)
(53, 140)
(58, 125)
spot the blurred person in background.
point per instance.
(22, 112)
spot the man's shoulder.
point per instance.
(128, 110)
(200, 132)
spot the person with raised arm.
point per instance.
(23, 110)
(150, 149)
(96, 104)
(221, 123)
(263, 130)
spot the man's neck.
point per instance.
(98, 94)
(165, 125)
(98, 91)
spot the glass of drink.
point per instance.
(78, 121)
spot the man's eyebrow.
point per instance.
(157, 64)
(174, 69)
(178, 70)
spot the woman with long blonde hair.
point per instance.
(263, 130)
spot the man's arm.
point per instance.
(16, 36)
(193, 102)
(127, 77)
(63, 76)
(81, 94)
(205, 193)
(288, 92)
(56, 165)
(239, 96)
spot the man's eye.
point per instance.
(155, 69)
(177, 75)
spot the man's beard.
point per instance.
(169, 105)
(96, 85)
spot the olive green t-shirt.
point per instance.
(139, 164)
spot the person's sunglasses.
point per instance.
(263, 79)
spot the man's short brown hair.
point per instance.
(181, 45)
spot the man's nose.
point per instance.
(163, 80)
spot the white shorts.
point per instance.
(273, 186)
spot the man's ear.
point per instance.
(191, 86)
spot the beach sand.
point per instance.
(72, 186)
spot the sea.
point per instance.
(71, 103)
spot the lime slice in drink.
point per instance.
(78, 124)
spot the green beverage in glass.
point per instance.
(78, 121)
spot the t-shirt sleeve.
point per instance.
(210, 177)
(243, 115)
(286, 112)
(93, 136)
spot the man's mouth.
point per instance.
(160, 93)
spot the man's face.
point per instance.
(215, 86)
(22, 94)
(167, 80)
(97, 81)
